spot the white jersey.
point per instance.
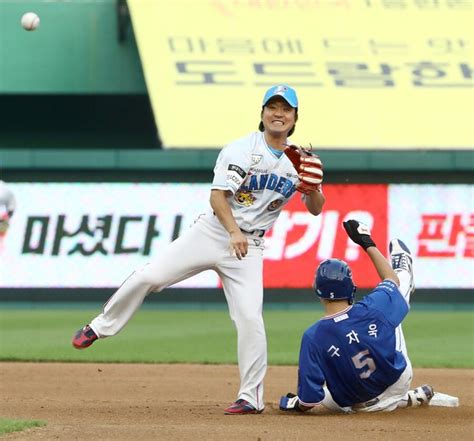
(260, 182)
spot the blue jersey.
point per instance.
(354, 351)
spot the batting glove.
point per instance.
(359, 233)
(290, 403)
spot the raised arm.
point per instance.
(360, 234)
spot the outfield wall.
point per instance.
(90, 235)
(76, 49)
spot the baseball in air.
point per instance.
(30, 21)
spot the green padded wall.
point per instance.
(75, 49)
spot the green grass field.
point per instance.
(434, 338)
(8, 425)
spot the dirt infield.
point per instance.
(185, 402)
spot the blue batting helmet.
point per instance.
(333, 281)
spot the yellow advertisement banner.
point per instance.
(368, 73)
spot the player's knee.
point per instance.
(249, 321)
(149, 281)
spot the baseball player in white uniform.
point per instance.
(253, 181)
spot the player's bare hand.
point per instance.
(239, 244)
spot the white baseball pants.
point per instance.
(205, 246)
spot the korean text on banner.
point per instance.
(369, 73)
(437, 223)
(77, 235)
(299, 242)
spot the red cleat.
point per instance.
(241, 407)
(84, 338)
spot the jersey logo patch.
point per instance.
(256, 159)
(237, 169)
(245, 198)
(340, 318)
(275, 205)
(232, 178)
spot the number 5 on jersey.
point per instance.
(362, 360)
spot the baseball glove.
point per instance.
(308, 166)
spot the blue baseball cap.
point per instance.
(283, 90)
